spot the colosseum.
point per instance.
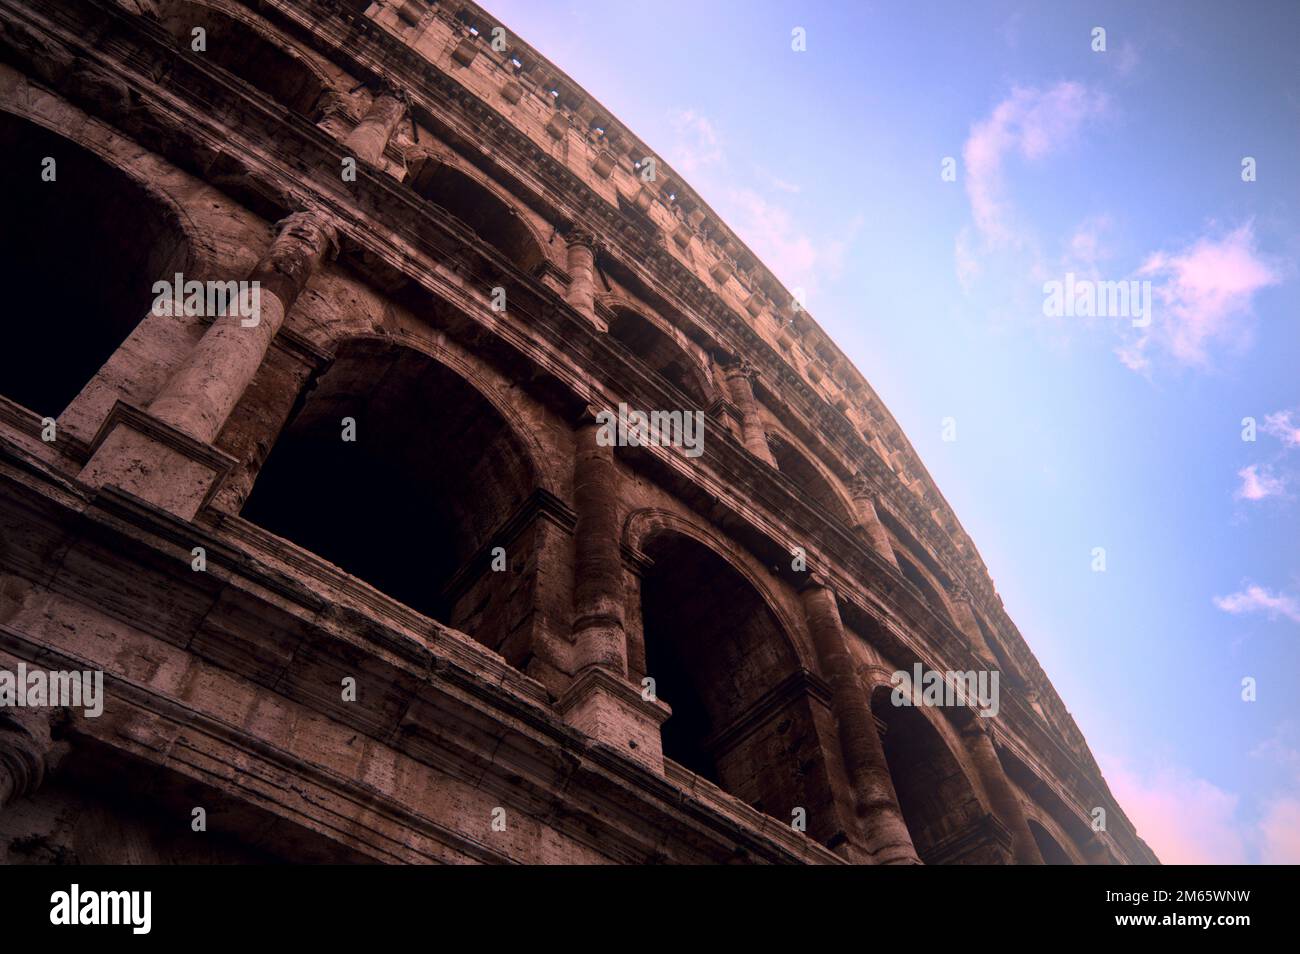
(359, 574)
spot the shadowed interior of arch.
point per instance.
(74, 296)
(721, 660)
(1048, 846)
(481, 209)
(791, 462)
(659, 351)
(938, 802)
(248, 56)
(413, 503)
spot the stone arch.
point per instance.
(63, 275)
(944, 813)
(747, 714)
(435, 479)
(809, 474)
(922, 581)
(494, 217)
(644, 337)
(249, 49)
(1048, 845)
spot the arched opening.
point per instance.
(791, 462)
(939, 805)
(912, 573)
(481, 209)
(657, 350)
(415, 504)
(245, 53)
(1049, 847)
(743, 716)
(79, 256)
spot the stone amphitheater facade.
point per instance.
(363, 580)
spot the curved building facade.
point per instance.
(325, 316)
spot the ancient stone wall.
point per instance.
(363, 577)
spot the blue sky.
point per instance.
(1072, 433)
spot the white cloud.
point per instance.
(1033, 123)
(1256, 599)
(1204, 296)
(1258, 483)
(1282, 426)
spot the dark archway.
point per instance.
(804, 474)
(913, 575)
(77, 281)
(491, 218)
(657, 350)
(1049, 847)
(743, 716)
(246, 53)
(942, 812)
(415, 503)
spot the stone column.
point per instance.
(875, 801)
(370, 137)
(581, 265)
(598, 567)
(600, 701)
(27, 752)
(164, 454)
(740, 383)
(865, 493)
(204, 390)
(978, 735)
(335, 113)
(963, 609)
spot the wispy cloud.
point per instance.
(1031, 123)
(1183, 818)
(1256, 599)
(1283, 426)
(1186, 819)
(1258, 483)
(799, 257)
(1204, 296)
(697, 144)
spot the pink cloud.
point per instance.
(1259, 484)
(1283, 427)
(1280, 832)
(1033, 123)
(1256, 599)
(1204, 295)
(1184, 819)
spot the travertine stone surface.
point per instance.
(362, 581)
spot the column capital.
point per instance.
(578, 235)
(741, 368)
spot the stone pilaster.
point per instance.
(581, 265)
(600, 701)
(963, 608)
(740, 384)
(369, 139)
(865, 494)
(875, 800)
(164, 454)
(978, 736)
